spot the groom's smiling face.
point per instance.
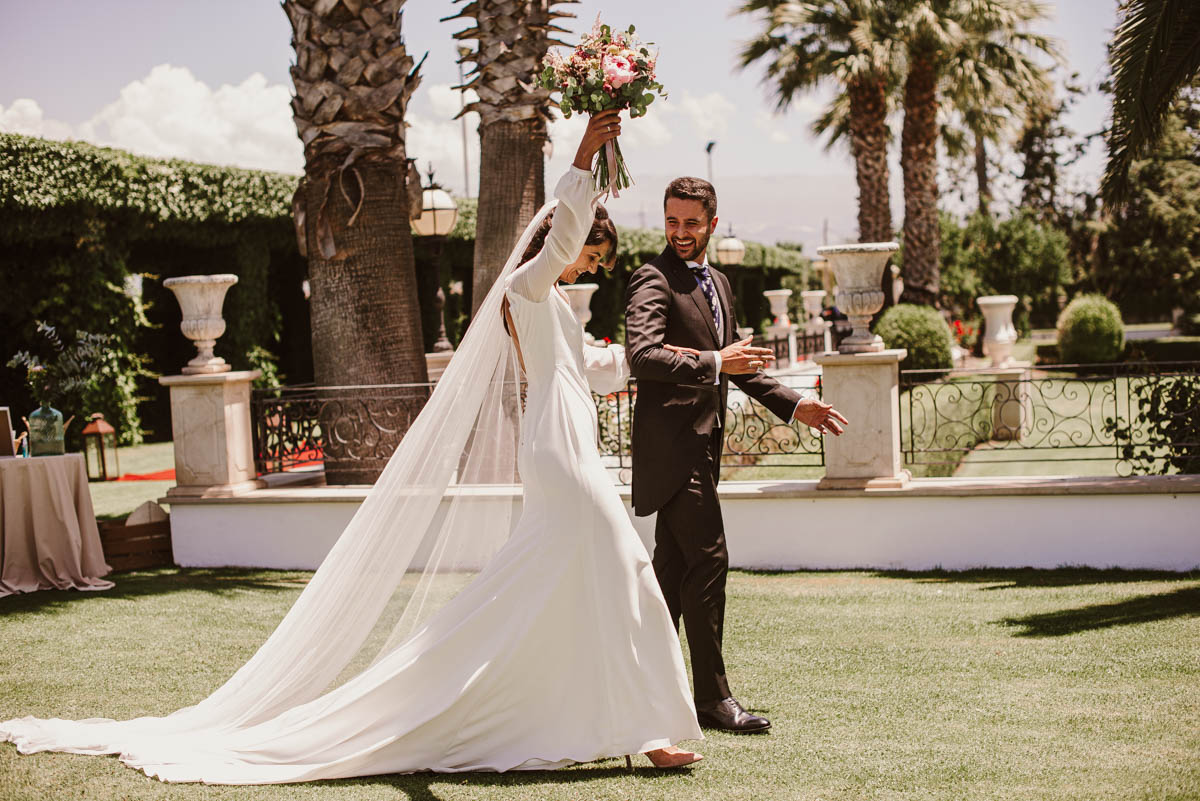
(688, 228)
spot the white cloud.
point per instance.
(25, 116)
(435, 138)
(769, 125)
(707, 114)
(171, 114)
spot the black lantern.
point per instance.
(100, 450)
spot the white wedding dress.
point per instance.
(559, 651)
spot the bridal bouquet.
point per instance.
(606, 71)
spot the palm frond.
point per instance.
(1155, 52)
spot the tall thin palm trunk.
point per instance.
(982, 181)
(918, 161)
(511, 190)
(869, 137)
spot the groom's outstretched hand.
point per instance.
(820, 416)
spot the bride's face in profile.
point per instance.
(591, 259)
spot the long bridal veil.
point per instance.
(442, 507)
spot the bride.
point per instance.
(436, 635)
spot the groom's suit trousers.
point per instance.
(691, 562)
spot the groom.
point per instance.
(681, 341)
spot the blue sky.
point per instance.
(209, 81)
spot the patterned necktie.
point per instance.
(704, 279)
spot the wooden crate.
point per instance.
(136, 547)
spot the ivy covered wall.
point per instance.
(81, 227)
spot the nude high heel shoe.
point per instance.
(669, 757)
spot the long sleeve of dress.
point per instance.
(605, 368)
(568, 232)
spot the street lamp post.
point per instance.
(708, 149)
(439, 213)
(463, 52)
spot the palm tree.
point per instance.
(992, 84)
(353, 78)
(512, 39)
(938, 34)
(1155, 52)
(806, 43)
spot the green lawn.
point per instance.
(1067, 684)
(116, 499)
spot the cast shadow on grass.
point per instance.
(1184, 602)
(136, 584)
(423, 786)
(1010, 578)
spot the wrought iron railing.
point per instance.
(350, 429)
(753, 435)
(1141, 416)
(807, 346)
(779, 349)
(359, 427)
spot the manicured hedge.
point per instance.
(1163, 349)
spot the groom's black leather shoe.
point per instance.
(728, 715)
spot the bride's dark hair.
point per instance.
(602, 231)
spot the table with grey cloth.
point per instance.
(48, 534)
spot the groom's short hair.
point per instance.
(693, 189)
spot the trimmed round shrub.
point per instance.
(1090, 331)
(922, 331)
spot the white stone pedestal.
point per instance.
(865, 387)
(210, 423)
(436, 363)
(1012, 410)
(786, 332)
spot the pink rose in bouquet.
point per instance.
(618, 71)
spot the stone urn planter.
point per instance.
(580, 296)
(778, 298)
(813, 302)
(1000, 335)
(859, 273)
(200, 298)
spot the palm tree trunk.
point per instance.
(365, 316)
(982, 183)
(511, 190)
(869, 138)
(918, 161)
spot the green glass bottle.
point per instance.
(46, 432)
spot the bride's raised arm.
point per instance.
(572, 217)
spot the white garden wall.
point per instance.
(1151, 522)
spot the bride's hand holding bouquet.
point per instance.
(607, 72)
(603, 127)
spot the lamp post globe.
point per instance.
(439, 212)
(730, 251)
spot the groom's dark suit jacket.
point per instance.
(679, 401)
